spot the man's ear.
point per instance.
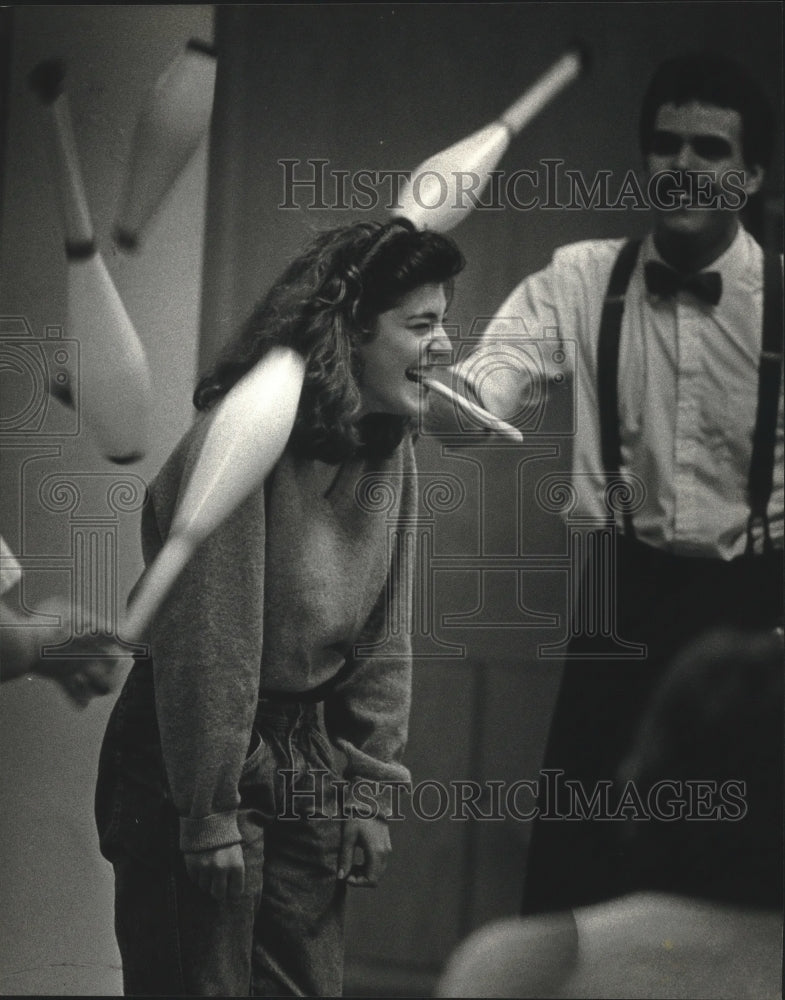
(753, 179)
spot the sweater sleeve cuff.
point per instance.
(209, 832)
(383, 799)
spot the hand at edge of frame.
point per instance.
(372, 838)
(220, 871)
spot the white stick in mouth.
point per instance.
(471, 409)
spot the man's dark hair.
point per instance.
(712, 79)
(716, 719)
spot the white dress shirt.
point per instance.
(688, 389)
(10, 570)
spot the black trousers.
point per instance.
(576, 857)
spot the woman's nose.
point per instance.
(439, 349)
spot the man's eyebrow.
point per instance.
(692, 135)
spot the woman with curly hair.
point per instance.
(283, 647)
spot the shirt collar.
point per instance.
(736, 264)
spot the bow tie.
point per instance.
(665, 282)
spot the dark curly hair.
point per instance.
(716, 719)
(712, 78)
(324, 305)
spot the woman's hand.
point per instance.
(219, 872)
(372, 837)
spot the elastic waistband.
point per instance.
(286, 714)
(290, 697)
(310, 697)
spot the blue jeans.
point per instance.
(284, 935)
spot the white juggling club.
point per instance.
(174, 118)
(114, 395)
(440, 192)
(248, 433)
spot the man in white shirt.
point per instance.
(679, 409)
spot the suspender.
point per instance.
(764, 441)
(764, 437)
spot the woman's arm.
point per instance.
(367, 717)
(206, 643)
(367, 712)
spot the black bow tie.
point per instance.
(665, 282)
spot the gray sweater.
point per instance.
(282, 596)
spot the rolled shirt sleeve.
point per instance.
(500, 373)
